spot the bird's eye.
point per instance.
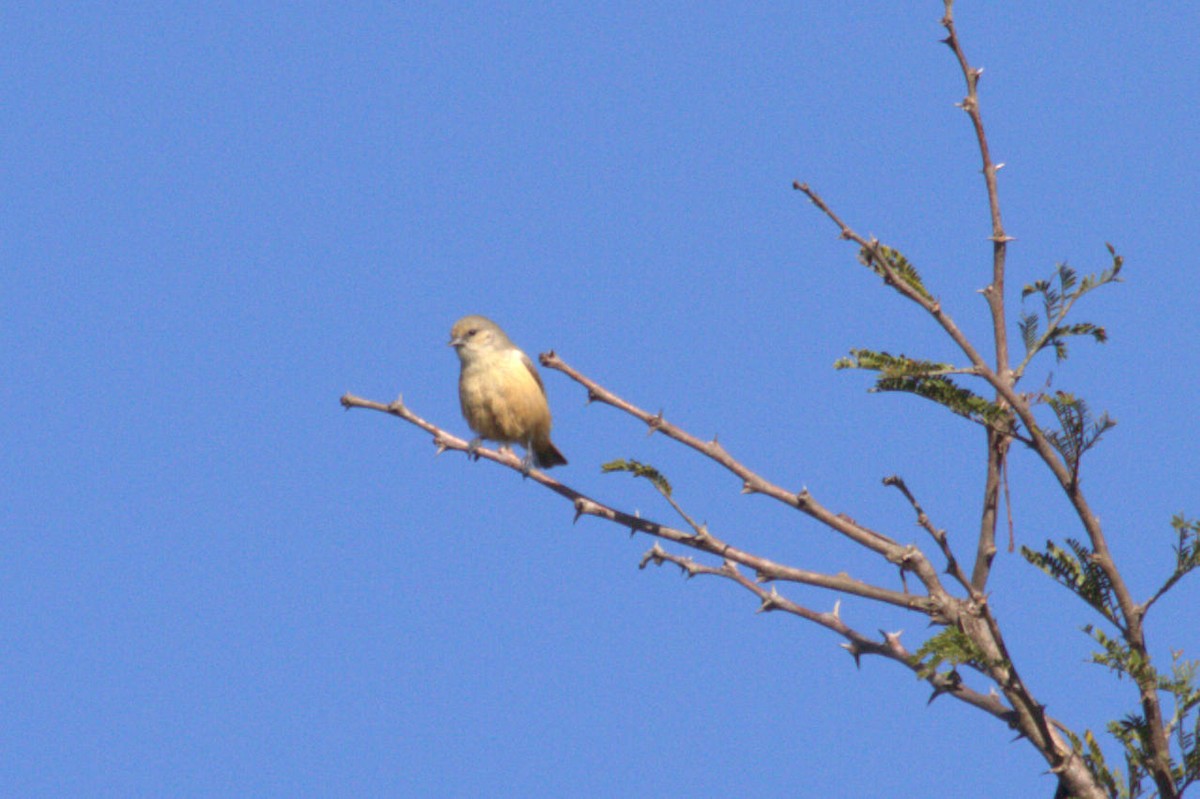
(472, 331)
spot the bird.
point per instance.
(501, 393)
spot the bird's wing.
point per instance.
(533, 371)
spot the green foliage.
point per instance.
(1181, 685)
(926, 379)
(1059, 293)
(1079, 574)
(1133, 731)
(951, 646)
(886, 262)
(638, 469)
(1076, 570)
(1078, 431)
(1118, 657)
(1089, 750)
(1187, 553)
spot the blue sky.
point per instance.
(219, 217)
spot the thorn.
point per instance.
(1000, 166)
(441, 447)
(837, 610)
(977, 72)
(855, 652)
(747, 488)
(591, 397)
(893, 640)
(578, 510)
(655, 423)
(948, 41)
(655, 554)
(770, 602)
(761, 577)
(944, 684)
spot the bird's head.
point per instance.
(477, 335)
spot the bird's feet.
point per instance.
(473, 448)
(526, 463)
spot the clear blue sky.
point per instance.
(218, 217)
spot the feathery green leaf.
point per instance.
(1079, 574)
(928, 379)
(895, 263)
(638, 469)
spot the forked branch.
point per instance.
(765, 570)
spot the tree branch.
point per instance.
(907, 557)
(938, 535)
(857, 644)
(765, 570)
(701, 539)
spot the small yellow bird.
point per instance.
(501, 392)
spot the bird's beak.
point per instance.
(456, 341)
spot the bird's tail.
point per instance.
(546, 455)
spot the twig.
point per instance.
(937, 534)
(857, 644)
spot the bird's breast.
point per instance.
(501, 399)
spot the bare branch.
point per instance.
(856, 644)
(701, 539)
(907, 557)
(1023, 712)
(938, 535)
(931, 305)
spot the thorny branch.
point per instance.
(857, 644)
(997, 443)
(765, 569)
(972, 615)
(701, 539)
(1003, 380)
(907, 557)
(935, 533)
